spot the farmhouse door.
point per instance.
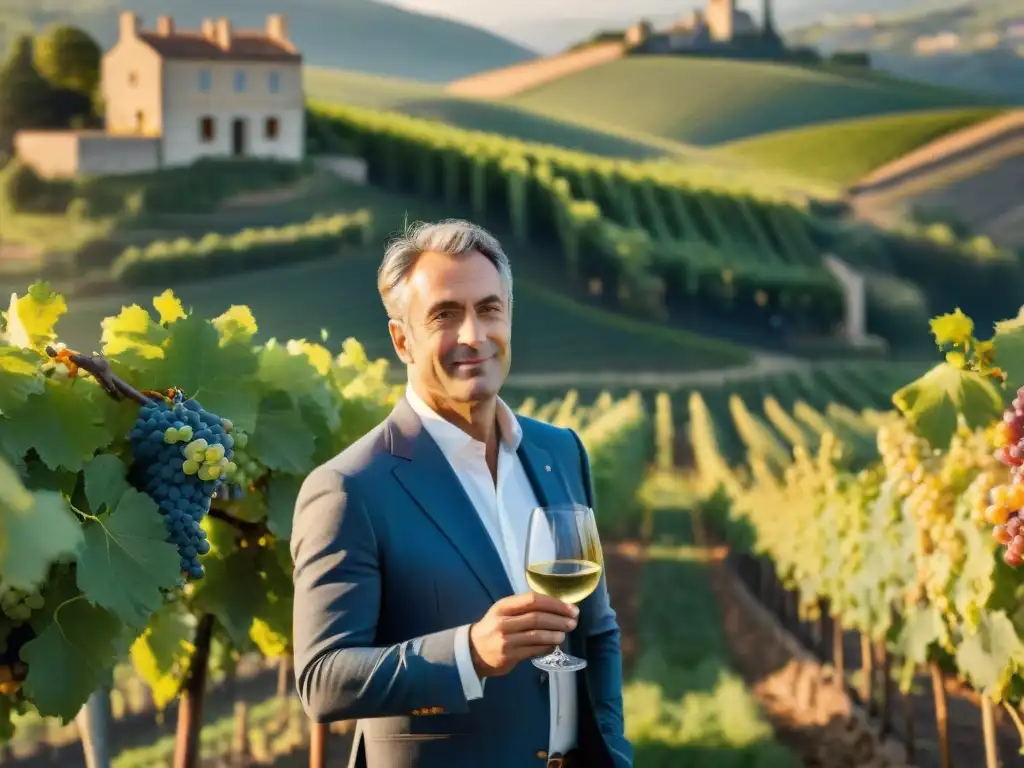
(238, 137)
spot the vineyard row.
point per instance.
(658, 241)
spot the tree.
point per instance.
(24, 94)
(69, 58)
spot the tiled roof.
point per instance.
(245, 46)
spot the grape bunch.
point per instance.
(1005, 511)
(182, 456)
(17, 604)
(246, 471)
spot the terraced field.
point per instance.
(713, 101)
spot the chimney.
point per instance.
(209, 29)
(224, 33)
(165, 26)
(277, 28)
(128, 25)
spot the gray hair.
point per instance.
(451, 236)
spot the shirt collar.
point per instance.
(452, 440)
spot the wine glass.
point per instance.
(564, 561)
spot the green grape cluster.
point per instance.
(247, 470)
(17, 604)
(207, 461)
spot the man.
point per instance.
(412, 613)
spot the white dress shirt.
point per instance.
(504, 507)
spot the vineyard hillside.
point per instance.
(557, 329)
(713, 101)
(420, 99)
(845, 151)
(970, 177)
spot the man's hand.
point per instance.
(517, 628)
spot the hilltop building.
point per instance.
(172, 97)
(719, 28)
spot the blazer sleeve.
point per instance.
(341, 674)
(604, 652)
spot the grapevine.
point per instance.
(181, 454)
(921, 546)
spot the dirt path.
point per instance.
(810, 714)
(508, 81)
(765, 364)
(799, 691)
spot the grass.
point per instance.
(423, 100)
(842, 152)
(684, 705)
(713, 101)
(555, 328)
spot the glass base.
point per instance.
(557, 661)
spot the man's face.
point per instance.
(456, 338)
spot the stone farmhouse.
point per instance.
(172, 97)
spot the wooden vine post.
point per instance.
(839, 652)
(909, 729)
(941, 714)
(867, 675)
(988, 727)
(190, 704)
(885, 670)
(318, 734)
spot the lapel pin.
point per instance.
(547, 467)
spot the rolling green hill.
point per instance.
(332, 86)
(429, 101)
(353, 34)
(713, 101)
(842, 152)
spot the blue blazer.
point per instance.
(390, 557)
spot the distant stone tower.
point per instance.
(721, 18)
(638, 34)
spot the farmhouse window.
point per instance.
(206, 129)
(133, 78)
(270, 128)
(205, 80)
(274, 81)
(240, 80)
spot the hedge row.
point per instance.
(197, 188)
(162, 261)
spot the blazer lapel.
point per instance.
(430, 480)
(549, 484)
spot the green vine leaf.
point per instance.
(933, 402)
(35, 530)
(76, 646)
(1008, 351)
(32, 318)
(992, 654)
(282, 491)
(161, 655)
(282, 441)
(54, 423)
(20, 377)
(126, 560)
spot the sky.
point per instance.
(550, 25)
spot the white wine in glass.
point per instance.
(563, 561)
